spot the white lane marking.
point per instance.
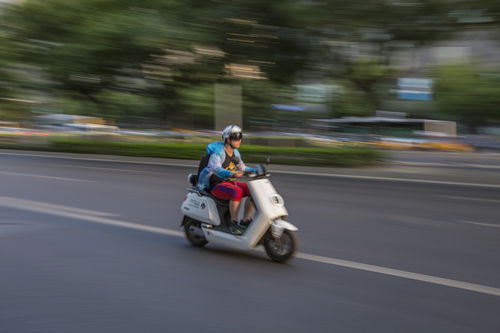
(54, 207)
(194, 164)
(107, 169)
(407, 180)
(467, 198)
(67, 212)
(483, 166)
(42, 176)
(480, 223)
(320, 174)
(403, 274)
(450, 164)
(71, 212)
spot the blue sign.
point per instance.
(415, 89)
(414, 95)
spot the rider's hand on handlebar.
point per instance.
(239, 174)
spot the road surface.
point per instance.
(95, 246)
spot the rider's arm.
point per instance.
(241, 165)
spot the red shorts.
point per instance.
(230, 191)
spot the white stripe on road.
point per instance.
(450, 164)
(42, 176)
(53, 207)
(277, 171)
(106, 169)
(467, 198)
(403, 274)
(71, 212)
(75, 213)
(480, 223)
(66, 157)
(407, 180)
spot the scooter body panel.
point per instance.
(200, 208)
(267, 200)
(225, 239)
(248, 240)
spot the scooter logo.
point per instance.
(277, 200)
(203, 206)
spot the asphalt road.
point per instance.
(376, 255)
(482, 161)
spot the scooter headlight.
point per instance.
(277, 200)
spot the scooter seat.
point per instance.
(217, 200)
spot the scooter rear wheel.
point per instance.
(192, 229)
(282, 249)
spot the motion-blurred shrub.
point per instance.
(338, 157)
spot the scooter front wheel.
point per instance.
(194, 234)
(282, 249)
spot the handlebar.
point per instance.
(260, 172)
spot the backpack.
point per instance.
(203, 164)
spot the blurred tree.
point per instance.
(365, 74)
(92, 50)
(350, 102)
(198, 104)
(358, 37)
(468, 95)
(6, 78)
(152, 47)
(258, 95)
(10, 110)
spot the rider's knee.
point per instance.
(237, 195)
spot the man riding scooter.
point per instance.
(219, 176)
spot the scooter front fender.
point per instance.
(285, 225)
(278, 226)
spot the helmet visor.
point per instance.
(236, 136)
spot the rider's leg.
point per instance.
(231, 192)
(249, 209)
(249, 204)
(234, 206)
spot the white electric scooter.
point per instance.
(206, 219)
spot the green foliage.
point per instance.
(258, 95)
(198, 103)
(468, 94)
(156, 61)
(338, 157)
(350, 102)
(117, 106)
(365, 73)
(12, 111)
(92, 50)
(332, 157)
(6, 78)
